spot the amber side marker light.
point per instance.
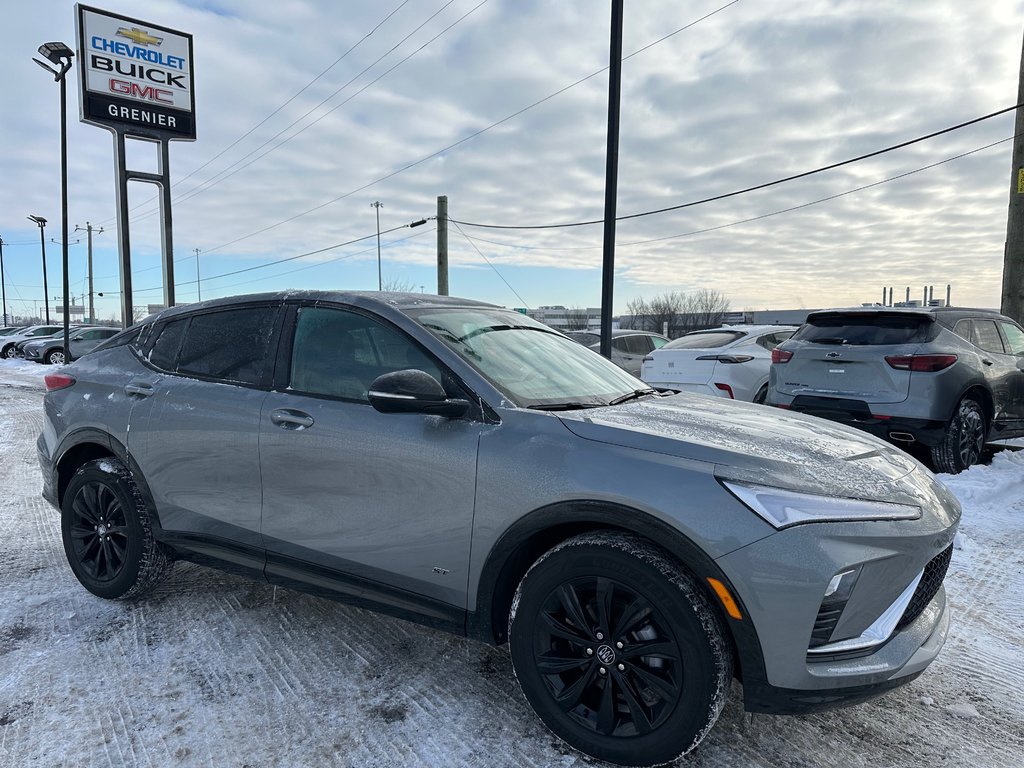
(58, 381)
(723, 594)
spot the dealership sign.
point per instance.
(136, 77)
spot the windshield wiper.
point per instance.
(571, 406)
(636, 394)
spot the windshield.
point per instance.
(530, 363)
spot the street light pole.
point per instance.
(3, 285)
(42, 245)
(199, 281)
(380, 282)
(60, 55)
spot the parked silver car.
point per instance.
(629, 348)
(8, 342)
(464, 466)
(50, 349)
(948, 378)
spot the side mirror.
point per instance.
(413, 391)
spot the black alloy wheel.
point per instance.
(107, 532)
(618, 649)
(963, 444)
(608, 657)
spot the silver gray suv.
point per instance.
(464, 466)
(948, 378)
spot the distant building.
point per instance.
(565, 318)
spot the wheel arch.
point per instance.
(982, 395)
(88, 444)
(534, 534)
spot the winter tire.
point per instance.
(55, 357)
(618, 649)
(108, 534)
(762, 395)
(964, 440)
(8, 352)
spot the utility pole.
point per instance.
(442, 245)
(611, 179)
(88, 231)
(380, 280)
(199, 283)
(3, 285)
(1012, 303)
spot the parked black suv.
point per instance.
(946, 377)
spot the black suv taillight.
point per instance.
(55, 381)
(920, 363)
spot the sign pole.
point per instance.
(124, 247)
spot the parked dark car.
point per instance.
(9, 342)
(946, 377)
(467, 467)
(50, 349)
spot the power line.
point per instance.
(752, 218)
(755, 188)
(481, 253)
(282, 106)
(225, 174)
(476, 133)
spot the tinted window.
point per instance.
(638, 345)
(1014, 336)
(704, 340)
(866, 329)
(586, 339)
(165, 348)
(619, 345)
(120, 338)
(771, 340)
(233, 345)
(986, 336)
(340, 353)
(963, 330)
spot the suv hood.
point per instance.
(759, 444)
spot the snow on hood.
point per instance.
(764, 445)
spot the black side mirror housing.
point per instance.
(413, 391)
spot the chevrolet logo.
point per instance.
(140, 36)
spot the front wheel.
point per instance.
(108, 534)
(55, 357)
(618, 650)
(964, 440)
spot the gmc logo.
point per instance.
(146, 93)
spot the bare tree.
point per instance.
(679, 312)
(576, 319)
(398, 285)
(704, 308)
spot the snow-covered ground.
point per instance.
(214, 670)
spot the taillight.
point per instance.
(729, 359)
(727, 389)
(920, 363)
(58, 381)
(781, 355)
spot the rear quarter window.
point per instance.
(867, 329)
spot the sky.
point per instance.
(307, 112)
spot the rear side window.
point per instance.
(771, 340)
(986, 336)
(233, 345)
(168, 341)
(704, 340)
(867, 329)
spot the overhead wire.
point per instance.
(279, 108)
(481, 253)
(752, 218)
(476, 133)
(756, 187)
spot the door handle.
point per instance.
(286, 418)
(139, 388)
(986, 362)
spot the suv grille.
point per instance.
(934, 573)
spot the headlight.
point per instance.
(782, 509)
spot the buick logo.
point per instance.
(606, 654)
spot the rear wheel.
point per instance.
(8, 352)
(964, 441)
(618, 650)
(108, 534)
(762, 395)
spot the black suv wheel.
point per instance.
(964, 441)
(618, 650)
(107, 533)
